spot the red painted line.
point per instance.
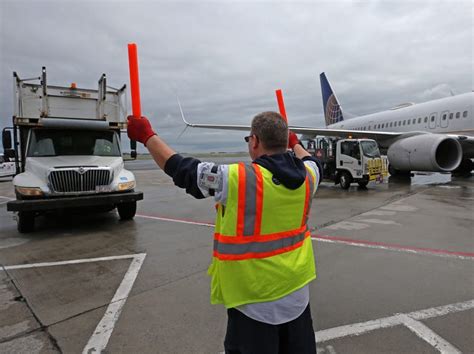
(341, 240)
(185, 221)
(394, 246)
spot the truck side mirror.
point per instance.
(6, 139)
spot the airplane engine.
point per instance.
(427, 152)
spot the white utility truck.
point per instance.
(67, 150)
(349, 160)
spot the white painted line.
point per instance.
(73, 261)
(398, 207)
(175, 220)
(442, 310)
(386, 322)
(429, 336)
(347, 225)
(379, 221)
(98, 341)
(357, 329)
(378, 213)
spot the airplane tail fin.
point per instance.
(331, 106)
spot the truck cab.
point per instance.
(67, 151)
(349, 160)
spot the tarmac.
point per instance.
(395, 265)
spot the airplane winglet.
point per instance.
(182, 114)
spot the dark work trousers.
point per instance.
(247, 336)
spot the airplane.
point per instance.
(436, 136)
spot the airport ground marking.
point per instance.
(346, 241)
(182, 221)
(410, 320)
(101, 335)
(395, 247)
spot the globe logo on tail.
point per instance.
(333, 112)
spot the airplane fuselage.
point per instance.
(450, 115)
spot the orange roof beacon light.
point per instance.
(281, 104)
(134, 79)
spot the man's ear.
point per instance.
(256, 142)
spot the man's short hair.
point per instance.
(271, 129)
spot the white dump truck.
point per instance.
(67, 150)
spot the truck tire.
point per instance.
(127, 210)
(26, 221)
(345, 180)
(363, 183)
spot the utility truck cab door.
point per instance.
(349, 155)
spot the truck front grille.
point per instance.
(64, 181)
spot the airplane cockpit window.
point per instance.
(458, 114)
(464, 114)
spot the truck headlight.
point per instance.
(29, 191)
(126, 185)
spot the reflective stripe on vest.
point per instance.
(248, 243)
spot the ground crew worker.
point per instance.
(262, 258)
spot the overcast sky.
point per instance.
(226, 59)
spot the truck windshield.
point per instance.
(370, 148)
(54, 142)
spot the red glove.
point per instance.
(139, 129)
(292, 140)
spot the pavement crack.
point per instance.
(42, 327)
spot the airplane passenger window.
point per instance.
(444, 116)
(404, 122)
(414, 121)
(408, 122)
(391, 124)
(419, 120)
(432, 118)
(464, 114)
(458, 114)
(426, 119)
(451, 115)
(383, 125)
(369, 127)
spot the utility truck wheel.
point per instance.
(345, 180)
(26, 221)
(127, 210)
(363, 183)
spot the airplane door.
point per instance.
(432, 121)
(444, 119)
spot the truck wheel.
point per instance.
(127, 210)
(363, 183)
(345, 180)
(26, 221)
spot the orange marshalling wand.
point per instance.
(134, 79)
(281, 104)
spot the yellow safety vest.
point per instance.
(262, 245)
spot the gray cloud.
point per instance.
(225, 59)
